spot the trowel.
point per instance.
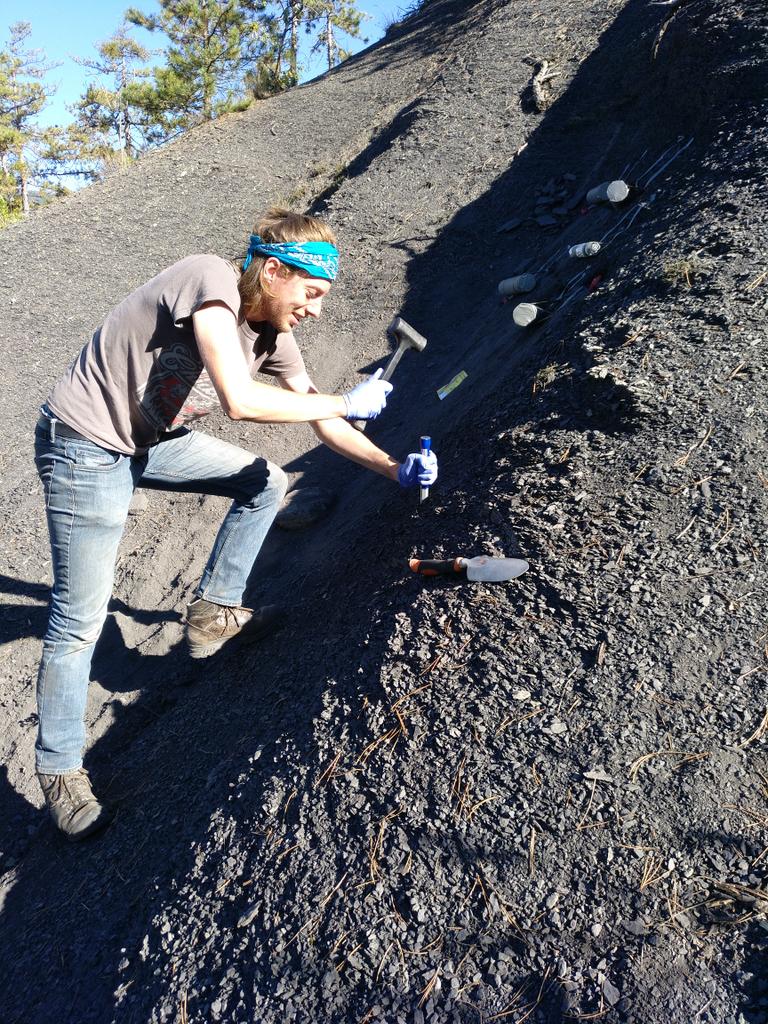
(483, 568)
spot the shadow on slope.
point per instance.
(605, 122)
(623, 109)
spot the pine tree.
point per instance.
(277, 66)
(22, 97)
(330, 18)
(111, 127)
(63, 153)
(211, 44)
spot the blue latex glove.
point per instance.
(418, 469)
(366, 400)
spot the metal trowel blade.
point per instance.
(487, 569)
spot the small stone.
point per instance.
(636, 927)
(598, 775)
(247, 918)
(611, 993)
(139, 503)
(596, 929)
(509, 225)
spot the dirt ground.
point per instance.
(429, 800)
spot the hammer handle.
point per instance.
(392, 364)
(389, 370)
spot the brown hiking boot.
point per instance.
(210, 626)
(75, 810)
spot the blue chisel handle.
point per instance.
(426, 447)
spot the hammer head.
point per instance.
(405, 336)
(402, 332)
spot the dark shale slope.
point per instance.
(542, 801)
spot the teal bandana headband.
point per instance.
(318, 259)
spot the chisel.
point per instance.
(426, 447)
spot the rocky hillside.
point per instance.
(428, 800)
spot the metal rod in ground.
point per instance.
(426, 446)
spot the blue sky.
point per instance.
(63, 31)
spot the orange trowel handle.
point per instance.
(437, 566)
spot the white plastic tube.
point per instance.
(609, 192)
(517, 285)
(584, 249)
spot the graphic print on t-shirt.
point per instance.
(178, 389)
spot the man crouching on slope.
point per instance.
(186, 342)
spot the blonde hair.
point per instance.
(278, 224)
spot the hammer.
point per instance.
(406, 337)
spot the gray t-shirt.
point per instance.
(141, 374)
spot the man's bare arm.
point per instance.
(341, 436)
(243, 398)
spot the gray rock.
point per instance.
(598, 775)
(249, 916)
(636, 926)
(611, 993)
(509, 225)
(305, 506)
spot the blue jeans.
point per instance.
(87, 494)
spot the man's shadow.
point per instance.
(120, 667)
(30, 620)
(25, 618)
(21, 823)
